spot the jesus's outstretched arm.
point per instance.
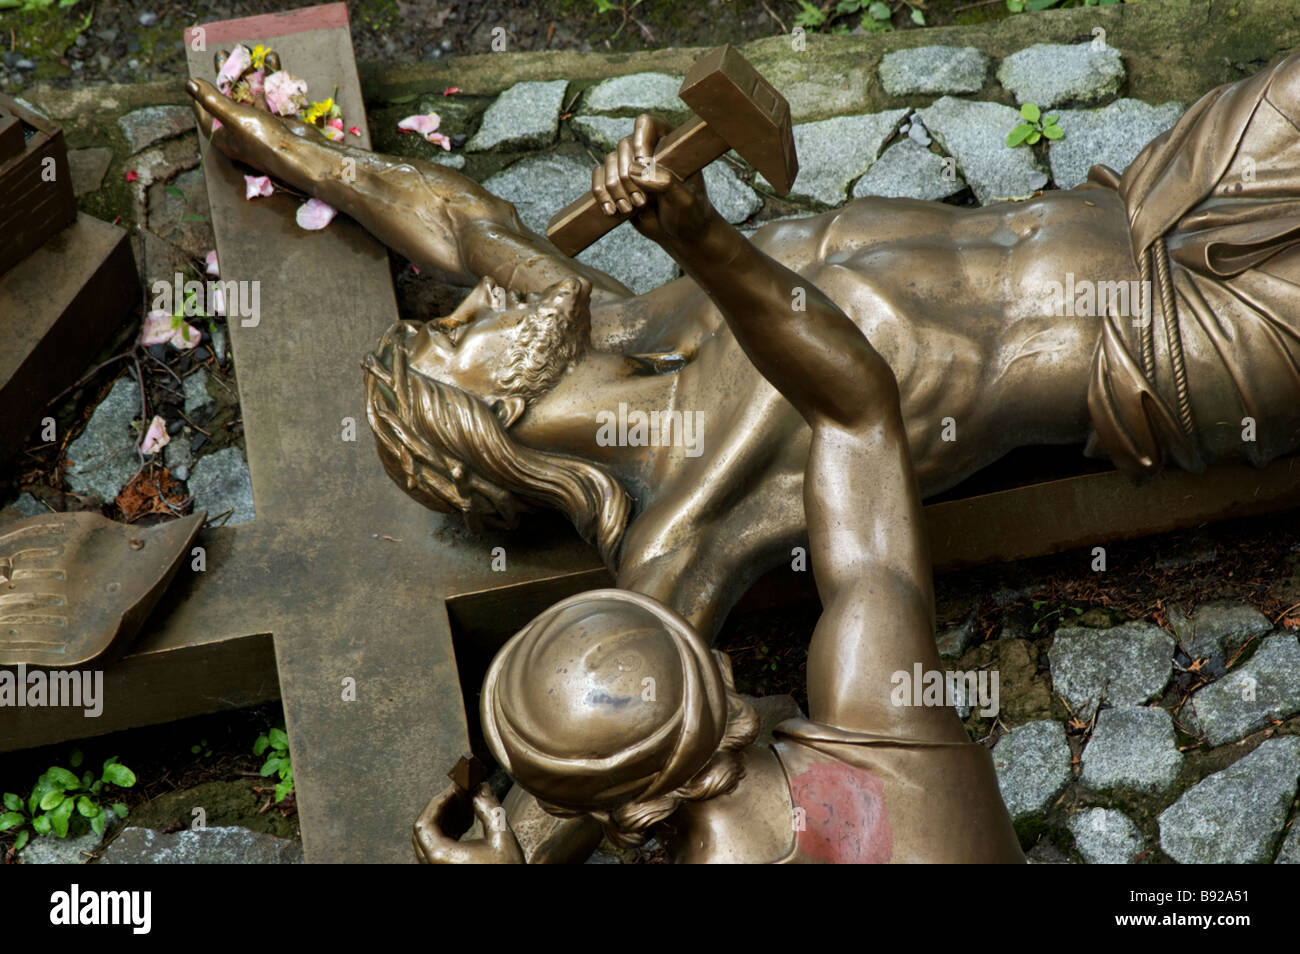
(436, 217)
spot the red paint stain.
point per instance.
(845, 821)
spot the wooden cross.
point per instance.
(341, 572)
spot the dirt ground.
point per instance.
(135, 40)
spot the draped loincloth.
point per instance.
(1215, 373)
(863, 798)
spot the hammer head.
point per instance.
(745, 110)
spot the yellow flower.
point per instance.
(259, 56)
(317, 110)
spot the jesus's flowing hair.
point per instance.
(449, 450)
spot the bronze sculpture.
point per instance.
(76, 587)
(489, 410)
(610, 705)
(957, 300)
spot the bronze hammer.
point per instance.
(735, 108)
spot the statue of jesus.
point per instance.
(497, 407)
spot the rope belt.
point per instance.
(1156, 257)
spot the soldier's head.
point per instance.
(609, 704)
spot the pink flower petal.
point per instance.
(335, 121)
(185, 337)
(156, 438)
(216, 123)
(256, 81)
(423, 124)
(211, 263)
(132, 175)
(218, 300)
(315, 214)
(285, 93)
(332, 134)
(438, 139)
(255, 186)
(355, 130)
(157, 328)
(451, 91)
(235, 64)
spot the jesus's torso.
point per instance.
(958, 301)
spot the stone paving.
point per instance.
(1231, 804)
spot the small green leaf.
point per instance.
(261, 745)
(1034, 137)
(1039, 604)
(194, 750)
(174, 190)
(64, 779)
(1053, 132)
(60, 816)
(411, 96)
(286, 770)
(13, 802)
(22, 839)
(1017, 135)
(1048, 120)
(119, 775)
(76, 758)
(271, 766)
(52, 799)
(283, 789)
(279, 740)
(87, 808)
(41, 824)
(809, 15)
(99, 823)
(1034, 628)
(119, 809)
(917, 17)
(11, 820)
(1030, 112)
(878, 11)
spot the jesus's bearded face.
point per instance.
(500, 345)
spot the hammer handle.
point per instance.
(684, 151)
